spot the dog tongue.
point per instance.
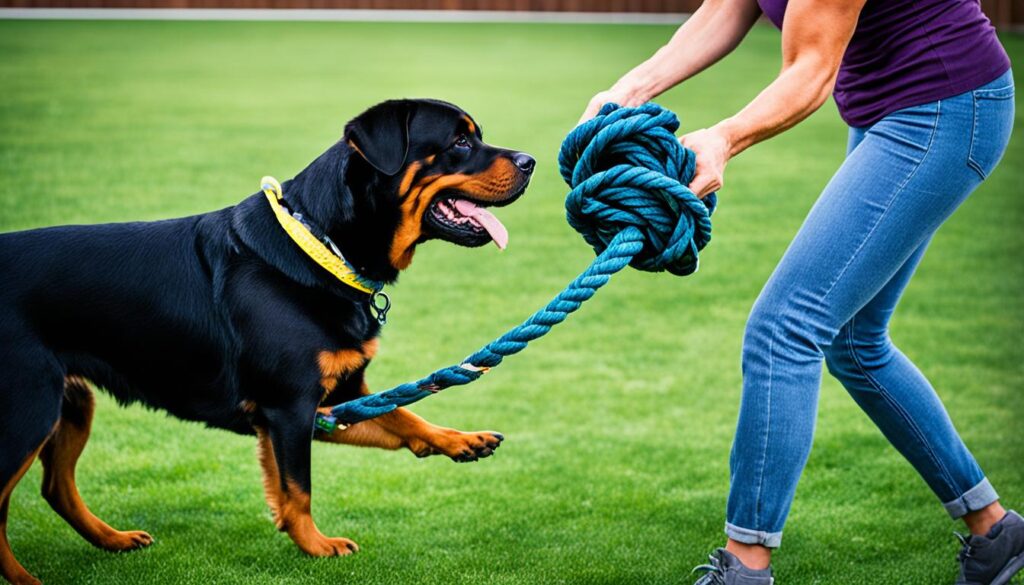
(484, 219)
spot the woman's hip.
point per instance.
(966, 133)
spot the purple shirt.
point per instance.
(910, 52)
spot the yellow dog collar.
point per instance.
(331, 261)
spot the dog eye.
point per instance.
(462, 141)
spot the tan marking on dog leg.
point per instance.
(10, 568)
(297, 521)
(367, 433)
(424, 438)
(59, 457)
(402, 428)
(271, 476)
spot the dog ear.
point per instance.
(381, 135)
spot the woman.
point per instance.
(927, 91)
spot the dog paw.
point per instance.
(465, 447)
(330, 547)
(125, 540)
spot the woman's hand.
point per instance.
(621, 93)
(814, 39)
(713, 149)
(712, 32)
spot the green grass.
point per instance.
(618, 424)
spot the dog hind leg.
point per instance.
(10, 568)
(29, 408)
(59, 457)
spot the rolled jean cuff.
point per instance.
(748, 536)
(973, 499)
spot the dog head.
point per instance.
(428, 167)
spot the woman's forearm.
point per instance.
(711, 33)
(814, 38)
(714, 30)
(796, 93)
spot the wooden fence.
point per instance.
(536, 5)
(1004, 13)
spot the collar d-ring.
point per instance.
(380, 304)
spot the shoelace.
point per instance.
(714, 574)
(966, 548)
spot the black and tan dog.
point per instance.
(222, 318)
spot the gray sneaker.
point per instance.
(725, 569)
(995, 558)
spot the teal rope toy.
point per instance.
(629, 200)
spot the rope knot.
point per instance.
(626, 169)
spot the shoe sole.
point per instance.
(1012, 568)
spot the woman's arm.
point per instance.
(814, 37)
(712, 32)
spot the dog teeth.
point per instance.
(448, 209)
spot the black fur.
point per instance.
(218, 317)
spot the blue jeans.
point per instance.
(831, 297)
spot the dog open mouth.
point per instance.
(465, 222)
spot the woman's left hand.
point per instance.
(713, 150)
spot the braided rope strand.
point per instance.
(629, 201)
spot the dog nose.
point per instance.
(524, 161)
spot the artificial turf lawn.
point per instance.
(618, 424)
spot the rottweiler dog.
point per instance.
(222, 318)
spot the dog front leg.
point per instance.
(284, 447)
(401, 428)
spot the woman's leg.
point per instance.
(909, 173)
(901, 401)
(758, 556)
